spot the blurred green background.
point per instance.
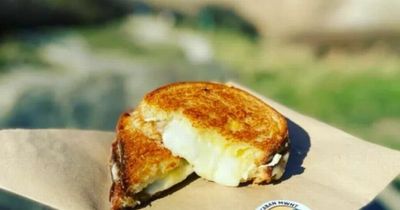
(78, 64)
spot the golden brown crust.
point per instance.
(139, 159)
(234, 113)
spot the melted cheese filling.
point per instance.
(170, 179)
(211, 156)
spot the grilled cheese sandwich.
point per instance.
(220, 132)
(226, 134)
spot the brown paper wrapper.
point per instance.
(327, 169)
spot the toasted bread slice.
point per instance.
(141, 166)
(226, 134)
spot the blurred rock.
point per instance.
(95, 101)
(150, 30)
(71, 53)
(36, 108)
(196, 48)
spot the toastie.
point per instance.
(141, 166)
(222, 133)
(227, 135)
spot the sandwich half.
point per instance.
(141, 166)
(226, 134)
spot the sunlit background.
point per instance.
(80, 63)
